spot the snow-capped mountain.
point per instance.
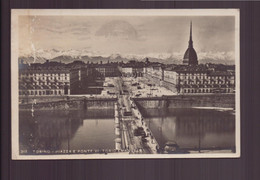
(71, 55)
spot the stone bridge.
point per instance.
(187, 101)
(71, 104)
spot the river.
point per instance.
(193, 129)
(58, 131)
(55, 132)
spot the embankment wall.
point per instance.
(70, 104)
(188, 101)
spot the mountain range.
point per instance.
(67, 56)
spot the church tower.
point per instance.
(190, 56)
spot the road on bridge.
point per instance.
(134, 143)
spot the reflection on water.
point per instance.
(66, 130)
(193, 128)
(95, 129)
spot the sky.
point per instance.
(127, 35)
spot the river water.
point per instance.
(55, 132)
(193, 129)
(58, 131)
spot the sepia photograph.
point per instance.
(128, 83)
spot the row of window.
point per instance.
(170, 77)
(44, 74)
(194, 74)
(54, 92)
(58, 84)
(203, 77)
(45, 78)
(194, 77)
(207, 82)
(46, 83)
(190, 75)
(206, 90)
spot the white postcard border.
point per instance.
(15, 13)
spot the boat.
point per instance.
(171, 147)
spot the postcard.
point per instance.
(125, 83)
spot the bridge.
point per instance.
(69, 103)
(130, 120)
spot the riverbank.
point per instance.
(68, 103)
(187, 101)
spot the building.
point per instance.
(49, 78)
(154, 72)
(53, 78)
(138, 71)
(198, 79)
(190, 56)
(106, 70)
(81, 76)
(132, 69)
(170, 78)
(126, 71)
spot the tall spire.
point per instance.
(190, 56)
(190, 41)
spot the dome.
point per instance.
(190, 57)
